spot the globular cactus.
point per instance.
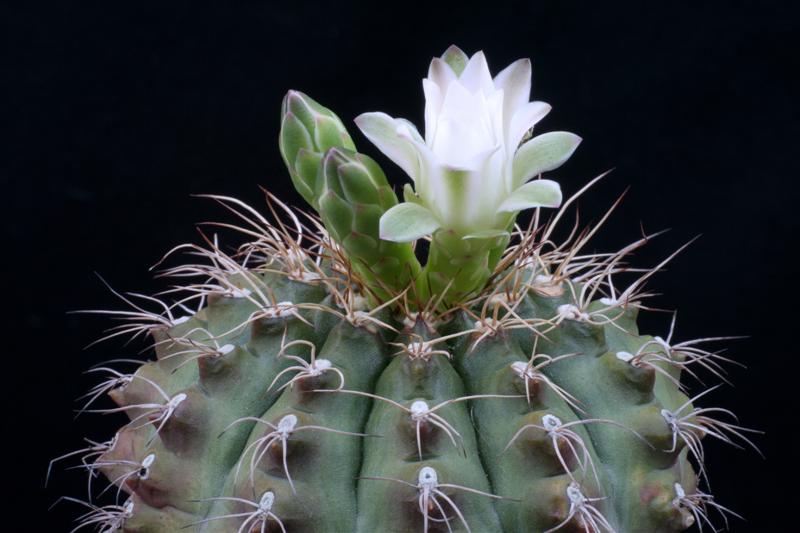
(320, 379)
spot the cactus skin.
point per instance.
(322, 464)
(606, 388)
(405, 381)
(345, 482)
(334, 388)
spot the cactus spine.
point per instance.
(321, 379)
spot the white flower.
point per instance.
(470, 173)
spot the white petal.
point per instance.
(441, 73)
(479, 162)
(523, 120)
(464, 127)
(407, 222)
(433, 105)
(428, 167)
(494, 105)
(515, 81)
(407, 130)
(459, 101)
(476, 76)
(456, 58)
(543, 153)
(463, 199)
(538, 193)
(381, 130)
(444, 192)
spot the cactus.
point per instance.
(320, 378)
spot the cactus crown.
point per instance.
(472, 175)
(319, 378)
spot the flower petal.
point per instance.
(515, 80)
(463, 127)
(461, 198)
(543, 153)
(407, 129)
(455, 58)
(448, 193)
(523, 120)
(476, 76)
(441, 73)
(433, 105)
(381, 130)
(539, 193)
(407, 222)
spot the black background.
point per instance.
(116, 111)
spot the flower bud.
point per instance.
(307, 131)
(353, 194)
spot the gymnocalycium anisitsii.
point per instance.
(430, 364)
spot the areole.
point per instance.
(323, 377)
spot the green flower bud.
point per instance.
(307, 131)
(353, 194)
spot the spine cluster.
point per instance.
(283, 398)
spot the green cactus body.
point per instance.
(319, 379)
(318, 461)
(532, 461)
(215, 452)
(421, 436)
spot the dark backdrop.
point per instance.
(117, 111)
